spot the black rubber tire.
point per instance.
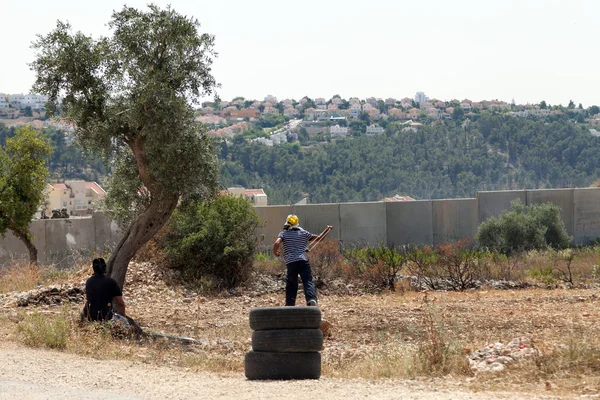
(266, 365)
(267, 318)
(288, 340)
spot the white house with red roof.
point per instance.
(77, 196)
(256, 196)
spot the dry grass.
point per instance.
(398, 335)
(23, 276)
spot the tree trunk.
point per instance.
(138, 233)
(26, 239)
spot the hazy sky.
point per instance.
(529, 50)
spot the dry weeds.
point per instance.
(397, 335)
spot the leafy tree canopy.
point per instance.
(23, 175)
(130, 98)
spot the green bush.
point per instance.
(536, 226)
(213, 241)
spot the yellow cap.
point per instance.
(292, 220)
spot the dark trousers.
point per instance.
(302, 268)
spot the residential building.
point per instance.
(3, 103)
(321, 106)
(398, 198)
(332, 107)
(390, 101)
(466, 105)
(338, 131)
(373, 113)
(354, 100)
(262, 140)
(413, 113)
(270, 111)
(244, 113)
(256, 196)
(434, 113)
(396, 112)
(337, 100)
(271, 99)
(420, 97)
(372, 101)
(320, 100)
(290, 112)
(367, 106)
(355, 109)
(279, 138)
(77, 196)
(375, 129)
(406, 103)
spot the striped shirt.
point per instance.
(295, 241)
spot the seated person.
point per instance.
(100, 292)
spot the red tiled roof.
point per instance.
(95, 187)
(250, 192)
(59, 186)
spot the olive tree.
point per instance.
(23, 174)
(130, 98)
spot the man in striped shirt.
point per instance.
(295, 241)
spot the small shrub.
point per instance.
(423, 263)
(383, 265)
(326, 260)
(461, 264)
(213, 239)
(39, 330)
(436, 354)
(536, 226)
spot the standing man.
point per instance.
(295, 241)
(100, 292)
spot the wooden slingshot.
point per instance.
(318, 239)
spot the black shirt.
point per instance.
(100, 290)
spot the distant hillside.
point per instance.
(438, 161)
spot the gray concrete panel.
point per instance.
(454, 219)
(586, 215)
(315, 217)
(68, 237)
(13, 249)
(491, 204)
(362, 223)
(273, 218)
(106, 232)
(562, 198)
(409, 222)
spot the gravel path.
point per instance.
(39, 374)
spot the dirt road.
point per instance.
(39, 374)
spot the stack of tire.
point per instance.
(285, 343)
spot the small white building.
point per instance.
(337, 131)
(375, 129)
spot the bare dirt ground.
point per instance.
(39, 374)
(363, 358)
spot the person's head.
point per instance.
(99, 266)
(291, 221)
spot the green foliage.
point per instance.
(442, 161)
(22, 180)
(214, 239)
(130, 98)
(43, 330)
(536, 226)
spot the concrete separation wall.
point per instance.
(273, 218)
(314, 218)
(562, 198)
(491, 204)
(453, 220)
(394, 223)
(586, 215)
(362, 223)
(409, 222)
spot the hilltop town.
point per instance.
(273, 122)
(291, 120)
